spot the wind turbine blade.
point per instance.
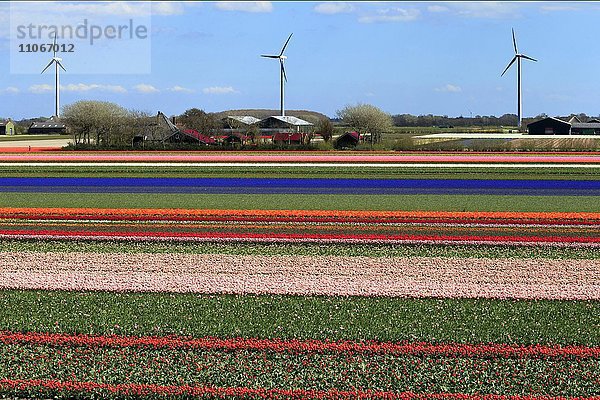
(268, 56)
(515, 42)
(285, 45)
(54, 45)
(528, 58)
(47, 66)
(60, 65)
(511, 63)
(283, 71)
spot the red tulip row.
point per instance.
(546, 218)
(140, 390)
(303, 346)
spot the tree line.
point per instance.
(431, 120)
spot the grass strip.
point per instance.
(342, 371)
(305, 172)
(32, 138)
(304, 249)
(305, 201)
(310, 317)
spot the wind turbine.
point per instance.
(518, 56)
(283, 77)
(57, 63)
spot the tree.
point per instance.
(324, 127)
(203, 122)
(104, 121)
(252, 132)
(366, 119)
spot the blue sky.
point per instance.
(442, 58)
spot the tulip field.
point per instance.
(300, 275)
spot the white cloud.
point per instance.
(4, 19)
(562, 7)
(100, 9)
(449, 88)
(83, 87)
(11, 90)
(558, 97)
(145, 88)
(120, 8)
(219, 90)
(180, 89)
(437, 9)
(167, 8)
(334, 7)
(391, 15)
(40, 88)
(245, 6)
(487, 9)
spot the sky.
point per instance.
(441, 58)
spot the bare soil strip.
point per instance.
(304, 275)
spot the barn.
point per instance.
(286, 124)
(549, 126)
(347, 140)
(49, 127)
(285, 129)
(190, 136)
(555, 126)
(585, 128)
(239, 122)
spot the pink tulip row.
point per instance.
(308, 158)
(304, 275)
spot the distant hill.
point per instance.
(28, 121)
(310, 116)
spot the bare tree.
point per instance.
(101, 120)
(366, 119)
(324, 127)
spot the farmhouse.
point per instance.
(7, 128)
(555, 126)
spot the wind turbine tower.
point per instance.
(283, 77)
(57, 63)
(518, 56)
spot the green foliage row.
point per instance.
(304, 249)
(315, 371)
(334, 318)
(305, 172)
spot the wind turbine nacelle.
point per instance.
(283, 57)
(57, 59)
